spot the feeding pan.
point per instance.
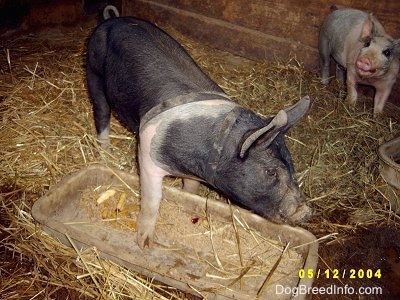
(205, 247)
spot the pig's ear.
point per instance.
(296, 112)
(281, 123)
(367, 30)
(268, 132)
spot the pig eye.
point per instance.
(271, 172)
(387, 52)
(367, 44)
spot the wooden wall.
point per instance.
(34, 14)
(258, 29)
(261, 29)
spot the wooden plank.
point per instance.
(295, 20)
(222, 34)
(284, 19)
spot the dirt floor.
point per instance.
(360, 236)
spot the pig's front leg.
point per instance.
(151, 194)
(151, 177)
(351, 83)
(381, 95)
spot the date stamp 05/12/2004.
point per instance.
(333, 289)
(340, 274)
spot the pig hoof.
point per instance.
(325, 81)
(144, 240)
(378, 110)
(351, 101)
(105, 145)
(145, 229)
(377, 113)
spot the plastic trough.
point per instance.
(59, 213)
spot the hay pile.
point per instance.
(47, 131)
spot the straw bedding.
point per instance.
(47, 131)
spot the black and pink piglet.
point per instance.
(187, 126)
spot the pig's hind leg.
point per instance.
(101, 109)
(191, 185)
(324, 58)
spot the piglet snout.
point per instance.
(293, 208)
(365, 66)
(302, 214)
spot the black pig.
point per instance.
(187, 125)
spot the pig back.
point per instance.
(142, 66)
